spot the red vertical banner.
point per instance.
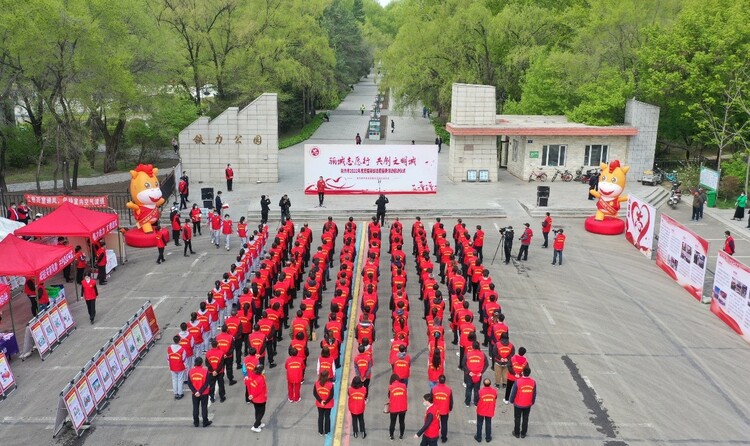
(149, 310)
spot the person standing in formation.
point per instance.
(195, 217)
(485, 411)
(357, 402)
(187, 238)
(265, 206)
(198, 383)
(442, 396)
(161, 241)
(242, 231)
(229, 174)
(525, 242)
(101, 263)
(430, 431)
(323, 394)
(523, 396)
(257, 393)
(176, 359)
(546, 227)
(226, 229)
(321, 187)
(478, 243)
(90, 293)
(398, 403)
(558, 245)
(215, 363)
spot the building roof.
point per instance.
(537, 125)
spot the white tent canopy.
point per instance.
(8, 226)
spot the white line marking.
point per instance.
(496, 227)
(549, 316)
(200, 256)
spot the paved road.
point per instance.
(622, 354)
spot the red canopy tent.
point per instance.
(22, 258)
(72, 221)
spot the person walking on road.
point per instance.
(198, 383)
(439, 143)
(176, 356)
(357, 139)
(525, 242)
(523, 396)
(321, 187)
(430, 430)
(558, 245)
(593, 184)
(739, 211)
(90, 293)
(257, 393)
(357, 402)
(393, 126)
(362, 110)
(485, 411)
(728, 243)
(162, 236)
(229, 175)
(546, 227)
(323, 394)
(187, 238)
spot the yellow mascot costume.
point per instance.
(612, 180)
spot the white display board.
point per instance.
(682, 254)
(639, 224)
(371, 169)
(709, 178)
(729, 294)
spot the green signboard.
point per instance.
(534, 154)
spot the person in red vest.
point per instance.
(443, 399)
(525, 242)
(485, 411)
(13, 212)
(402, 365)
(475, 364)
(195, 217)
(523, 396)
(430, 430)
(214, 220)
(29, 289)
(323, 394)
(728, 245)
(502, 351)
(546, 228)
(198, 383)
(80, 260)
(226, 229)
(187, 238)
(363, 368)
(295, 373)
(257, 393)
(516, 365)
(90, 293)
(478, 242)
(24, 213)
(182, 187)
(215, 363)
(176, 356)
(398, 404)
(101, 263)
(161, 241)
(321, 187)
(357, 402)
(242, 231)
(558, 246)
(225, 341)
(42, 296)
(176, 226)
(229, 175)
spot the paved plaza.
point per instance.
(621, 353)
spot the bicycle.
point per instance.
(538, 176)
(565, 176)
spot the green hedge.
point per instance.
(440, 130)
(305, 134)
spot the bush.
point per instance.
(730, 187)
(304, 135)
(22, 147)
(440, 130)
(735, 167)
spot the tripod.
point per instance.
(502, 239)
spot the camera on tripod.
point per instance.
(508, 228)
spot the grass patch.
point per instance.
(47, 172)
(304, 134)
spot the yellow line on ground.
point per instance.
(343, 390)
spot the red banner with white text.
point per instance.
(53, 201)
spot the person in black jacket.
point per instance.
(285, 204)
(508, 243)
(380, 203)
(217, 202)
(264, 208)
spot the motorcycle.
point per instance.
(675, 195)
(653, 177)
(587, 176)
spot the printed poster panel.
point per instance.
(122, 354)
(681, 253)
(84, 393)
(42, 345)
(6, 374)
(57, 323)
(140, 341)
(113, 362)
(130, 344)
(75, 409)
(104, 373)
(729, 294)
(67, 318)
(95, 383)
(639, 224)
(358, 169)
(49, 332)
(145, 327)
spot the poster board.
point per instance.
(145, 328)
(95, 383)
(140, 340)
(709, 178)
(85, 395)
(113, 362)
(57, 323)
(49, 332)
(67, 318)
(729, 294)
(639, 224)
(104, 373)
(130, 345)
(40, 340)
(682, 254)
(7, 380)
(75, 408)
(356, 169)
(122, 354)
(4, 295)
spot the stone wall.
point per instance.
(472, 105)
(644, 117)
(248, 139)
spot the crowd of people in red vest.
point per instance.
(253, 306)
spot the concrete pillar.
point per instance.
(642, 147)
(472, 106)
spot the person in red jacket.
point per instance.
(485, 411)
(323, 393)
(215, 223)
(398, 402)
(728, 245)
(226, 229)
(523, 396)
(101, 263)
(199, 388)
(475, 364)
(176, 227)
(525, 242)
(80, 260)
(42, 296)
(516, 365)
(182, 188)
(161, 241)
(229, 175)
(430, 430)
(195, 217)
(478, 242)
(443, 400)
(90, 293)
(176, 356)
(257, 393)
(357, 402)
(558, 245)
(321, 187)
(187, 238)
(546, 228)
(295, 374)
(215, 362)
(242, 231)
